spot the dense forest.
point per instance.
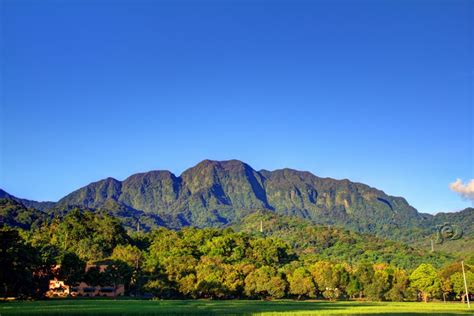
(264, 256)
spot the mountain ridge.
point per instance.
(214, 193)
(219, 193)
(40, 205)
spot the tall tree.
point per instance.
(18, 263)
(301, 283)
(457, 280)
(426, 281)
(265, 283)
(71, 268)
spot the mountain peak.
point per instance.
(207, 163)
(214, 192)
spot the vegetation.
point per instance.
(222, 193)
(215, 193)
(300, 262)
(15, 214)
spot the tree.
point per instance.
(234, 277)
(116, 273)
(230, 247)
(269, 251)
(327, 279)
(380, 285)
(446, 274)
(400, 286)
(210, 278)
(128, 254)
(187, 285)
(457, 280)
(72, 268)
(133, 257)
(18, 263)
(426, 281)
(354, 287)
(91, 236)
(265, 283)
(93, 276)
(365, 274)
(160, 288)
(301, 283)
(276, 287)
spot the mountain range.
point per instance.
(219, 193)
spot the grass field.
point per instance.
(240, 307)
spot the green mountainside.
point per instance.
(317, 242)
(28, 203)
(15, 214)
(215, 193)
(307, 241)
(222, 193)
(462, 221)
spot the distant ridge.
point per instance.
(28, 203)
(216, 193)
(220, 193)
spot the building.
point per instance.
(57, 288)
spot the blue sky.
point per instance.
(378, 92)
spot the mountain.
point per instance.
(42, 206)
(15, 214)
(460, 225)
(464, 219)
(220, 193)
(217, 193)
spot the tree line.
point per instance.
(208, 263)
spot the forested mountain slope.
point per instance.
(216, 193)
(221, 193)
(28, 203)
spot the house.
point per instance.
(57, 288)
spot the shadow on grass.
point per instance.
(237, 307)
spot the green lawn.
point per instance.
(236, 307)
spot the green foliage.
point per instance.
(269, 251)
(301, 283)
(71, 268)
(130, 254)
(290, 259)
(93, 276)
(15, 214)
(322, 242)
(379, 286)
(117, 272)
(400, 290)
(330, 278)
(265, 282)
(88, 235)
(426, 280)
(18, 262)
(457, 281)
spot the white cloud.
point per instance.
(464, 190)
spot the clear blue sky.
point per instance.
(378, 92)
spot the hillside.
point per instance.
(15, 214)
(28, 203)
(462, 221)
(215, 193)
(221, 193)
(316, 242)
